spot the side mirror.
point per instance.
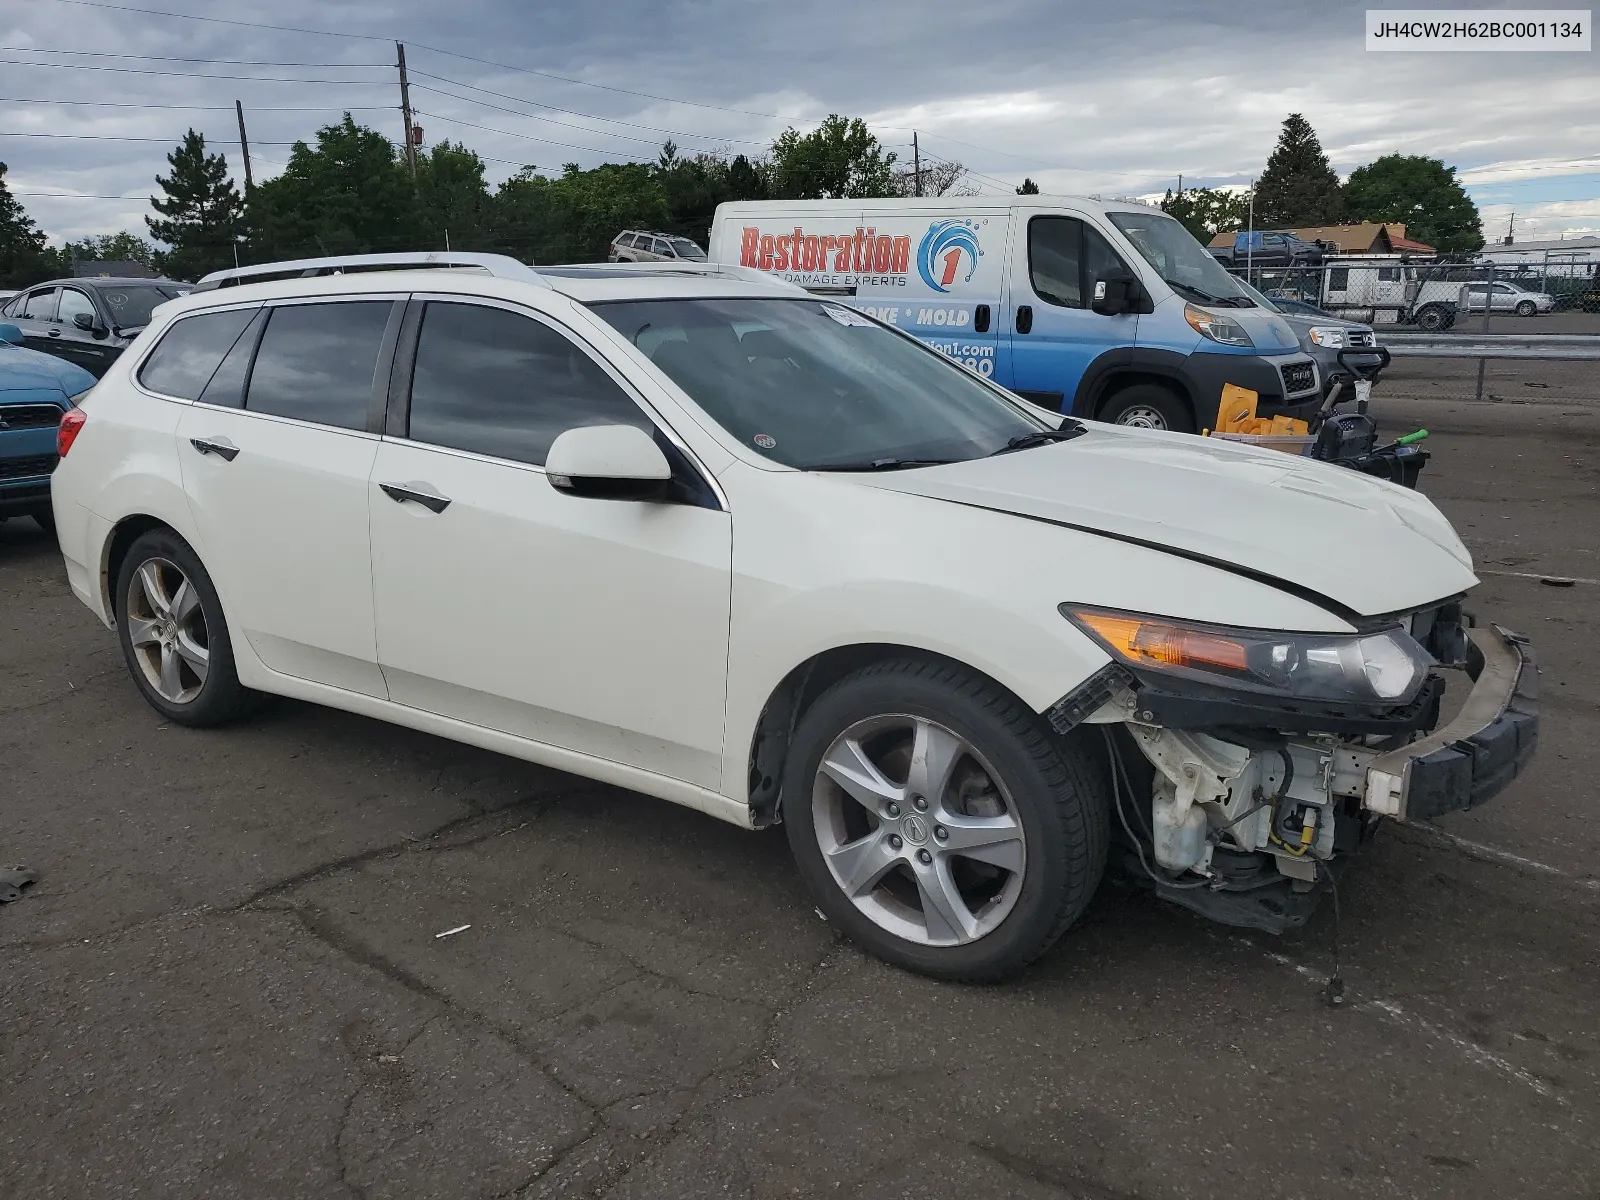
(608, 462)
(1118, 292)
(10, 333)
(87, 323)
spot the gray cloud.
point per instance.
(1099, 99)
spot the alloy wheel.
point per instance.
(918, 830)
(167, 629)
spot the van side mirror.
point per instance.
(608, 462)
(1118, 292)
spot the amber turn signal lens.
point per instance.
(1141, 641)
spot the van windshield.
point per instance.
(1181, 261)
(818, 386)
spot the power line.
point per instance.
(231, 62)
(507, 133)
(107, 137)
(11, 62)
(255, 108)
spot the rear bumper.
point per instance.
(1475, 756)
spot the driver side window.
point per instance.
(1065, 257)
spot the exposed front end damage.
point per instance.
(1240, 806)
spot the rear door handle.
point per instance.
(221, 447)
(418, 493)
(1024, 318)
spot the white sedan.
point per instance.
(745, 549)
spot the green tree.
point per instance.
(201, 215)
(24, 257)
(749, 179)
(1028, 188)
(839, 158)
(452, 199)
(1298, 186)
(573, 217)
(1206, 212)
(110, 247)
(1422, 193)
(349, 194)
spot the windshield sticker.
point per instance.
(846, 316)
(765, 440)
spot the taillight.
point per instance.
(67, 432)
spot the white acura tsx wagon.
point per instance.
(742, 548)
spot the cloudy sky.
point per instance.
(1086, 98)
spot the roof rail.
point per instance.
(501, 266)
(674, 267)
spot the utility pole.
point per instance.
(916, 163)
(1250, 235)
(244, 147)
(405, 109)
(1180, 186)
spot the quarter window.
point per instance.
(497, 383)
(316, 362)
(190, 351)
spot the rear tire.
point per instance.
(1149, 406)
(173, 634)
(978, 878)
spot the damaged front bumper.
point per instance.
(1251, 812)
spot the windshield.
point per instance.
(818, 386)
(1178, 258)
(684, 248)
(130, 304)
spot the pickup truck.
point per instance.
(1271, 248)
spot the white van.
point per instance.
(1105, 310)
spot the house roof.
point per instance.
(1365, 237)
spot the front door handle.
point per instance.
(418, 493)
(221, 447)
(53, 333)
(1024, 318)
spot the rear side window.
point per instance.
(316, 362)
(190, 352)
(498, 383)
(40, 305)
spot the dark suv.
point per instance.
(88, 321)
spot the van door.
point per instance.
(1054, 335)
(939, 274)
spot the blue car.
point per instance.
(35, 389)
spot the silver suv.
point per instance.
(633, 245)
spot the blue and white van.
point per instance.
(1103, 310)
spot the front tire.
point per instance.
(173, 634)
(1149, 406)
(1526, 308)
(939, 822)
(1431, 319)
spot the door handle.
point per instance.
(980, 319)
(221, 447)
(1024, 318)
(53, 333)
(401, 492)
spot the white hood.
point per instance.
(1371, 546)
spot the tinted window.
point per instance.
(627, 239)
(1388, 274)
(132, 303)
(316, 362)
(40, 305)
(497, 383)
(74, 302)
(1339, 279)
(1055, 259)
(227, 384)
(190, 351)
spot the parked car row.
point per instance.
(697, 531)
(88, 322)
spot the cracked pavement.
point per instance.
(227, 981)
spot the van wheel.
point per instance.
(1431, 319)
(939, 822)
(1148, 406)
(173, 634)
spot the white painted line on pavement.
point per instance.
(1472, 1051)
(1506, 858)
(1539, 575)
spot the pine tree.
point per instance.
(1298, 187)
(24, 257)
(202, 211)
(1028, 188)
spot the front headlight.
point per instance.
(1215, 326)
(1387, 667)
(1324, 335)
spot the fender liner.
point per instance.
(1102, 373)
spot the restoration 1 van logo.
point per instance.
(943, 247)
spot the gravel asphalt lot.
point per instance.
(228, 980)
